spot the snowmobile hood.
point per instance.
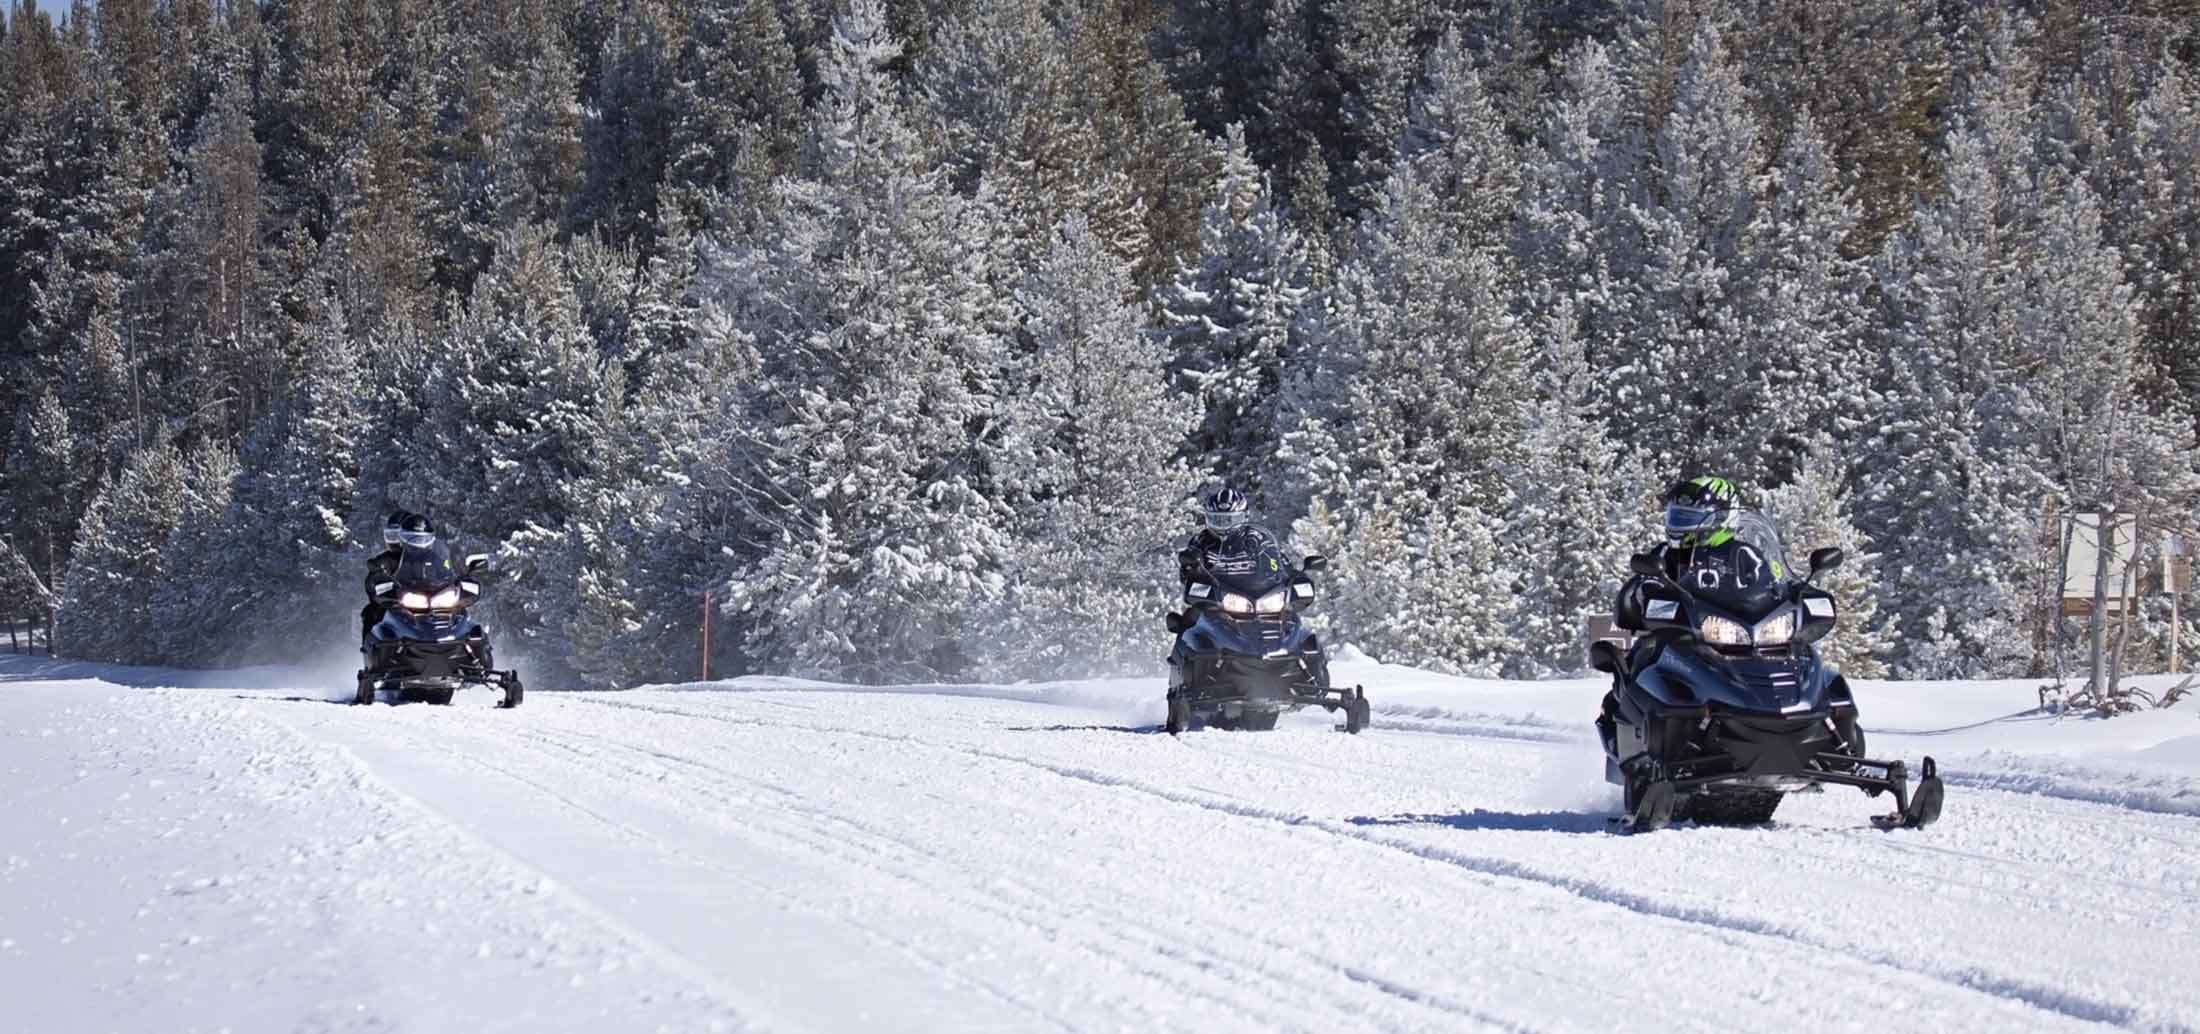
(1777, 685)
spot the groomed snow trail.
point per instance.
(809, 859)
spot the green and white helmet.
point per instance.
(1700, 511)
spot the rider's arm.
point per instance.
(1627, 608)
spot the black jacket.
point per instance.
(1191, 561)
(382, 567)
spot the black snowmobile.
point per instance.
(426, 647)
(1242, 656)
(1722, 706)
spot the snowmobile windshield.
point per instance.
(1746, 575)
(1249, 562)
(427, 567)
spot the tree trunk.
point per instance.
(2123, 619)
(2104, 537)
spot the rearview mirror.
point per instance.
(1315, 562)
(476, 562)
(1825, 559)
(1646, 565)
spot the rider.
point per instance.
(1701, 514)
(1225, 510)
(401, 530)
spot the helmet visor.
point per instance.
(417, 539)
(1689, 519)
(1228, 520)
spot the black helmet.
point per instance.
(411, 529)
(1226, 509)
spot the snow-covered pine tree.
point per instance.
(626, 130)
(1578, 235)
(1000, 91)
(591, 584)
(196, 617)
(1418, 404)
(737, 111)
(1578, 511)
(120, 562)
(294, 565)
(2161, 222)
(45, 484)
(1806, 316)
(1207, 48)
(873, 546)
(1695, 396)
(1090, 435)
(1233, 324)
(520, 373)
(1947, 487)
(696, 509)
(1455, 140)
(1812, 511)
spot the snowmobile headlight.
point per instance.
(444, 600)
(1777, 630)
(1274, 602)
(413, 601)
(1236, 604)
(1719, 631)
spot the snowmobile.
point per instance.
(425, 647)
(1722, 705)
(1242, 656)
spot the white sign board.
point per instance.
(2084, 537)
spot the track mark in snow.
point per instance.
(2023, 992)
(1227, 969)
(2018, 992)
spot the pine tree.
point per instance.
(46, 485)
(201, 294)
(1140, 126)
(1812, 512)
(1695, 395)
(1576, 514)
(524, 377)
(626, 131)
(1954, 499)
(1090, 435)
(1807, 310)
(297, 579)
(195, 613)
(1578, 238)
(2160, 220)
(1207, 48)
(868, 443)
(1233, 323)
(736, 107)
(119, 562)
(1001, 87)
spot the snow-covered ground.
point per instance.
(240, 854)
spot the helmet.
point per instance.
(1226, 509)
(411, 529)
(1700, 511)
